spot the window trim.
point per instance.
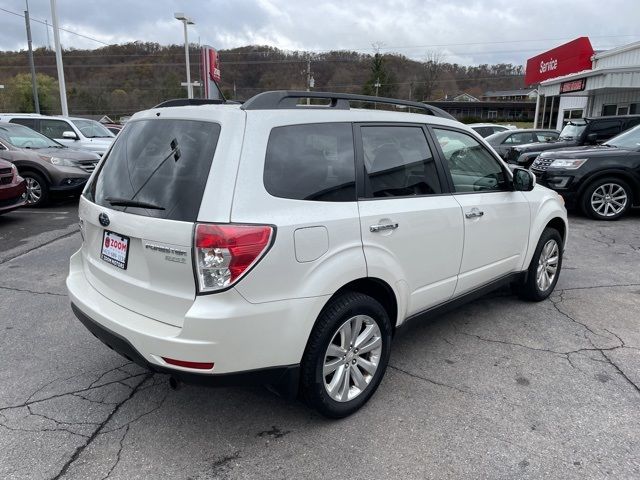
(363, 193)
(443, 161)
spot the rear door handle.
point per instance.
(384, 226)
(474, 213)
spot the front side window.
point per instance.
(472, 167)
(398, 162)
(519, 138)
(311, 162)
(54, 128)
(546, 136)
(92, 129)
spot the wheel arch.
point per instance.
(32, 167)
(616, 173)
(375, 288)
(560, 225)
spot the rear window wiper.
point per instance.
(125, 202)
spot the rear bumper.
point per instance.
(248, 343)
(284, 376)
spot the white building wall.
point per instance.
(616, 98)
(569, 103)
(629, 56)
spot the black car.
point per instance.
(603, 181)
(587, 131)
(502, 142)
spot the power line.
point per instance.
(60, 28)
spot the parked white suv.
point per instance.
(75, 132)
(281, 243)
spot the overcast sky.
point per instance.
(463, 31)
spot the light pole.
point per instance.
(186, 21)
(56, 39)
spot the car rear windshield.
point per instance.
(157, 168)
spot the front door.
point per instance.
(410, 224)
(496, 218)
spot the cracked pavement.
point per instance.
(499, 388)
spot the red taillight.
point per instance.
(186, 364)
(225, 252)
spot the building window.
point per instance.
(492, 114)
(608, 110)
(623, 110)
(634, 108)
(572, 114)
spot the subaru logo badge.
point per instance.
(104, 219)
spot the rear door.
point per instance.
(139, 255)
(496, 218)
(411, 225)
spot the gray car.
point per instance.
(503, 141)
(74, 132)
(49, 168)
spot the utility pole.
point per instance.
(377, 85)
(308, 76)
(56, 39)
(46, 25)
(34, 84)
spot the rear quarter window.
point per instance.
(311, 162)
(163, 162)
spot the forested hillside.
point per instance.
(121, 79)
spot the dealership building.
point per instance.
(574, 81)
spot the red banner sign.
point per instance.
(571, 57)
(573, 85)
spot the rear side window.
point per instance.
(311, 162)
(398, 162)
(164, 163)
(27, 122)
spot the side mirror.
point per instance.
(70, 135)
(523, 180)
(592, 138)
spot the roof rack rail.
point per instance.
(286, 99)
(182, 102)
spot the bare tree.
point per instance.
(431, 72)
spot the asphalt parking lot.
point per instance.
(498, 389)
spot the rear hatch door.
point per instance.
(139, 211)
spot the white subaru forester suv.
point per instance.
(284, 243)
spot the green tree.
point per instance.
(20, 95)
(381, 77)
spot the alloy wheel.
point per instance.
(352, 358)
(34, 191)
(609, 199)
(547, 265)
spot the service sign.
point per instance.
(573, 85)
(210, 71)
(571, 57)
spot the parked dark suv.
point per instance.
(603, 180)
(587, 131)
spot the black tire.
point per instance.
(589, 210)
(529, 289)
(32, 179)
(334, 315)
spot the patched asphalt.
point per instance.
(499, 388)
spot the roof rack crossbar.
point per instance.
(286, 99)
